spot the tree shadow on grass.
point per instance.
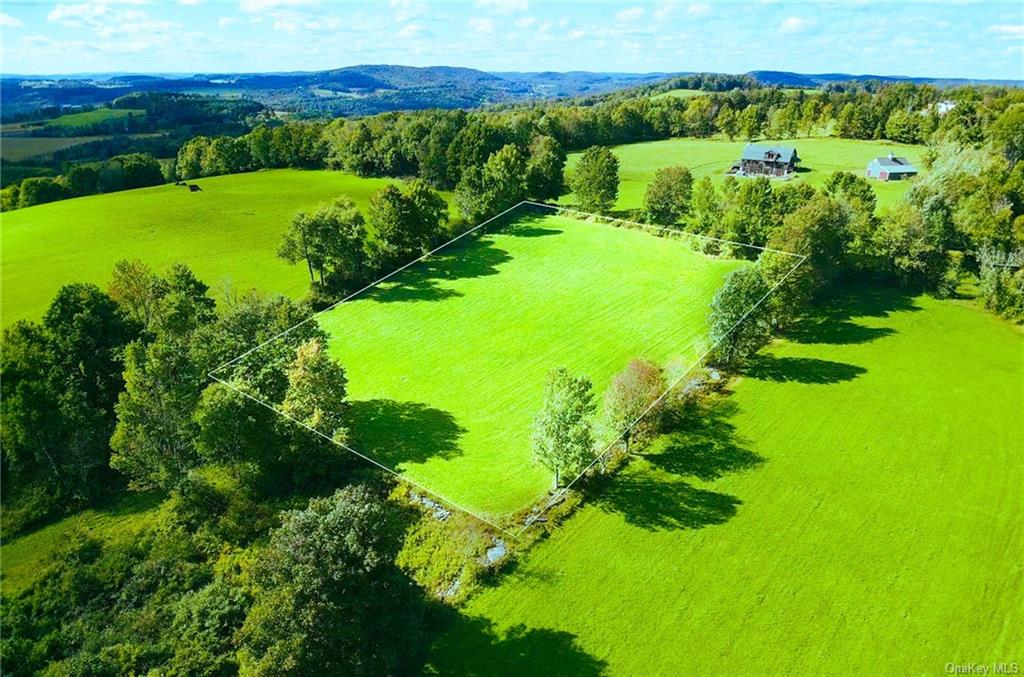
(472, 646)
(832, 322)
(701, 443)
(800, 369)
(657, 504)
(419, 282)
(394, 432)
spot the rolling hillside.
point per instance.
(228, 233)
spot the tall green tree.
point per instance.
(632, 408)
(545, 169)
(563, 435)
(331, 240)
(667, 199)
(328, 596)
(595, 180)
(737, 329)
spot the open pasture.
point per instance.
(447, 361)
(15, 148)
(853, 507)
(713, 157)
(227, 232)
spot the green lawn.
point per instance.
(853, 508)
(25, 557)
(713, 157)
(229, 231)
(447, 364)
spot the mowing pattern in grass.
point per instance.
(447, 363)
(229, 231)
(853, 508)
(713, 157)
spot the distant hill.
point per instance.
(353, 90)
(368, 89)
(788, 79)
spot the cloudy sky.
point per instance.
(955, 39)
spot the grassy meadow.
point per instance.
(713, 157)
(15, 148)
(228, 232)
(25, 557)
(446, 365)
(852, 508)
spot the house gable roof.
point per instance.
(754, 151)
(895, 165)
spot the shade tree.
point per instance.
(563, 435)
(595, 180)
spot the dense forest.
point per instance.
(278, 553)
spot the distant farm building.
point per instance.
(891, 168)
(758, 160)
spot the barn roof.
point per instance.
(895, 165)
(755, 151)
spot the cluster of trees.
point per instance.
(343, 249)
(122, 172)
(298, 145)
(568, 433)
(110, 392)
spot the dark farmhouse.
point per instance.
(891, 168)
(760, 160)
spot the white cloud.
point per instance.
(254, 6)
(503, 6)
(480, 25)
(410, 31)
(575, 34)
(227, 21)
(630, 14)
(9, 21)
(1008, 30)
(407, 9)
(526, 21)
(795, 24)
(698, 9)
(190, 2)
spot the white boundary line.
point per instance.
(580, 214)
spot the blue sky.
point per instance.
(954, 39)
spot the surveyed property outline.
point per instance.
(607, 449)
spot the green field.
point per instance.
(85, 118)
(446, 365)
(229, 231)
(853, 508)
(26, 557)
(713, 157)
(15, 148)
(679, 94)
(92, 117)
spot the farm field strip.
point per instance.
(446, 361)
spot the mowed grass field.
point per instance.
(228, 232)
(713, 157)
(446, 365)
(854, 507)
